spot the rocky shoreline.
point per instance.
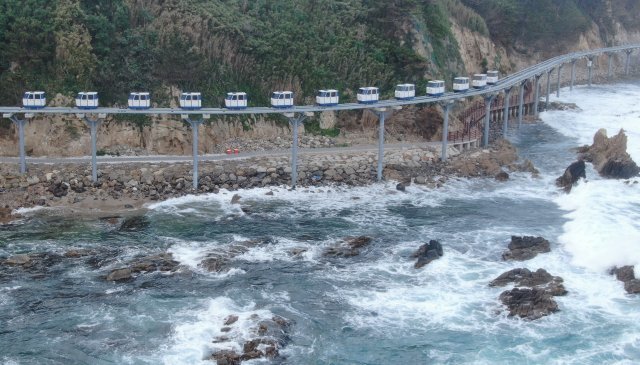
(129, 186)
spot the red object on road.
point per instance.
(236, 151)
(228, 151)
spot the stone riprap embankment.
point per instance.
(129, 185)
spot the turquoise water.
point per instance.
(374, 308)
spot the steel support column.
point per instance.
(558, 84)
(487, 118)
(505, 114)
(195, 124)
(627, 62)
(93, 124)
(382, 113)
(446, 106)
(590, 67)
(295, 124)
(573, 74)
(536, 95)
(546, 100)
(610, 65)
(20, 124)
(521, 102)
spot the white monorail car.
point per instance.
(329, 97)
(493, 77)
(368, 95)
(34, 99)
(460, 84)
(405, 91)
(435, 88)
(236, 100)
(282, 99)
(139, 100)
(87, 100)
(190, 101)
(479, 81)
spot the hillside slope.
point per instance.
(216, 46)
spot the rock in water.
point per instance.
(235, 199)
(427, 253)
(400, 187)
(571, 175)
(502, 176)
(528, 303)
(609, 156)
(525, 248)
(627, 275)
(119, 275)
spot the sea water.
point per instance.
(374, 308)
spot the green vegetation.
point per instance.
(313, 127)
(216, 46)
(532, 23)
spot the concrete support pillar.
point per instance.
(546, 102)
(610, 65)
(573, 74)
(558, 84)
(590, 67)
(446, 106)
(521, 102)
(487, 118)
(93, 124)
(627, 62)
(505, 114)
(536, 95)
(195, 125)
(20, 124)
(295, 124)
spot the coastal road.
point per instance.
(218, 157)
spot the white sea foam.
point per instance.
(192, 339)
(27, 211)
(604, 225)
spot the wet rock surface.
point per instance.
(572, 175)
(349, 247)
(533, 301)
(525, 277)
(525, 248)
(627, 275)
(609, 156)
(268, 337)
(529, 303)
(427, 253)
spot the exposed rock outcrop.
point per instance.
(627, 275)
(427, 253)
(571, 175)
(271, 335)
(349, 247)
(525, 248)
(609, 156)
(524, 277)
(528, 303)
(536, 299)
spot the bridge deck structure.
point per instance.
(382, 108)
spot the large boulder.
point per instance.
(627, 275)
(123, 274)
(350, 246)
(571, 175)
(609, 156)
(525, 277)
(427, 253)
(525, 248)
(529, 303)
